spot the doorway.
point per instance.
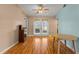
(41, 28)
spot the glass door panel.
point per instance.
(41, 28)
(37, 28)
(45, 28)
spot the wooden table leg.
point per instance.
(65, 42)
(58, 47)
(74, 46)
(53, 44)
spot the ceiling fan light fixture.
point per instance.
(41, 12)
(41, 9)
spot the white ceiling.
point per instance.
(53, 9)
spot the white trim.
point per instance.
(77, 52)
(37, 35)
(41, 23)
(30, 35)
(2, 52)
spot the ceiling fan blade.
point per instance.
(34, 9)
(45, 9)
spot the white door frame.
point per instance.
(41, 29)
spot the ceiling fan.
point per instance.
(40, 9)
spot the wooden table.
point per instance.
(66, 37)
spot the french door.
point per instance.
(41, 28)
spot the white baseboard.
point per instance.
(30, 35)
(77, 52)
(2, 52)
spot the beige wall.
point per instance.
(10, 17)
(51, 20)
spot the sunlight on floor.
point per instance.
(37, 45)
(40, 44)
(44, 44)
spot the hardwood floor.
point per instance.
(38, 45)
